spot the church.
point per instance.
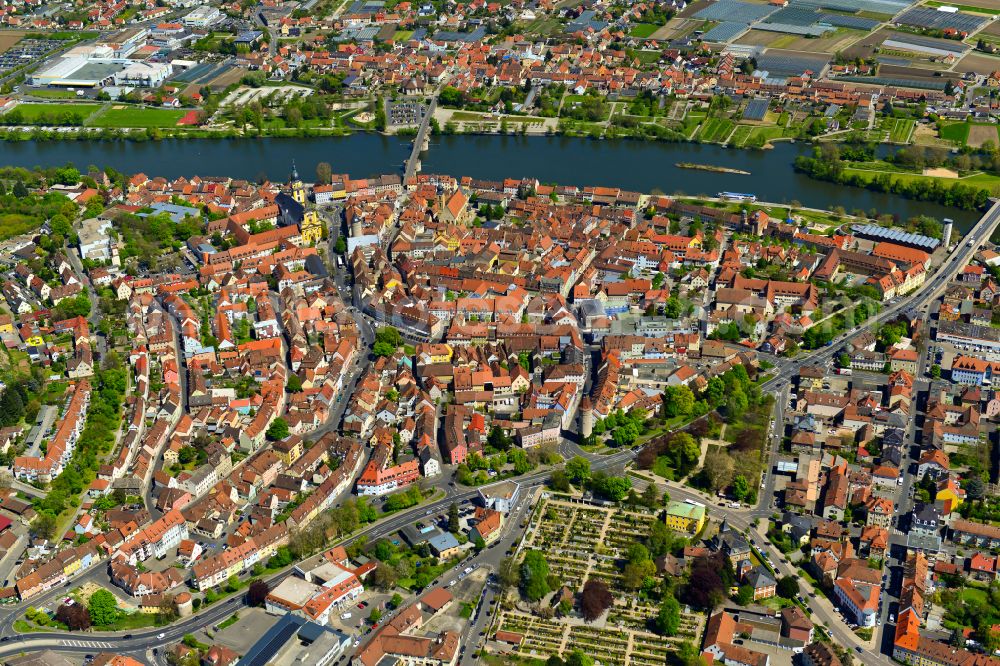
(292, 210)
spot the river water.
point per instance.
(642, 166)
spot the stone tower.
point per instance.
(586, 417)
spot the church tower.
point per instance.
(298, 189)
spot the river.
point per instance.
(642, 166)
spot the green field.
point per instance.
(138, 117)
(648, 57)
(53, 94)
(716, 129)
(900, 130)
(643, 30)
(964, 8)
(402, 35)
(957, 132)
(32, 113)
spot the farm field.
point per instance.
(979, 62)
(980, 134)
(9, 38)
(123, 116)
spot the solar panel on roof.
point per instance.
(756, 109)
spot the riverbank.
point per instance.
(640, 166)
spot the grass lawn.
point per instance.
(957, 132)
(466, 611)
(662, 467)
(53, 94)
(741, 135)
(402, 35)
(900, 130)
(974, 595)
(716, 129)
(138, 117)
(983, 180)
(31, 113)
(643, 30)
(648, 57)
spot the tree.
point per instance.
(974, 488)
(560, 481)
(534, 576)
(396, 601)
(788, 587)
(705, 578)
(257, 593)
(595, 599)
(718, 470)
(340, 245)
(294, 384)
(375, 615)
(677, 401)
(614, 488)
(650, 496)
(578, 470)
(278, 429)
(103, 608)
(744, 596)
(579, 658)
(509, 573)
(843, 360)
(741, 487)
(936, 371)
(384, 577)
(75, 617)
(44, 525)
(323, 173)
(453, 523)
(668, 620)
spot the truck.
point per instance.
(843, 371)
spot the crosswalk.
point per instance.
(85, 644)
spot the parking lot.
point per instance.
(405, 113)
(26, 51)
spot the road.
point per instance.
(936, 283)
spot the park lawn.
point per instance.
(643, 30)
(957, 132)
(768, 133)
(32, 112)
(984, 180)
(901, 130)
(138, 117)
